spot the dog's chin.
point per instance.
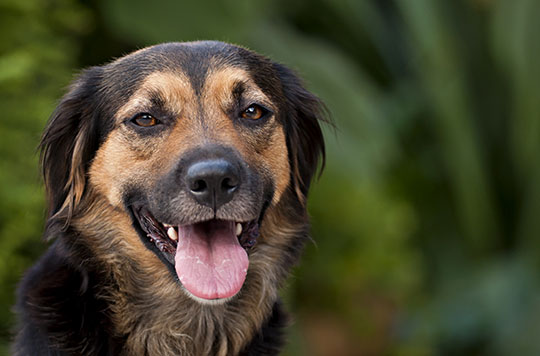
(209, 258)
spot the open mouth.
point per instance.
(209, 257)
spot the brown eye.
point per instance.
(254, 112)
(144, 120)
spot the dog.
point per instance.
(176, 179)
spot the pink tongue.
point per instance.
(209, 260)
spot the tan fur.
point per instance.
(75, 184)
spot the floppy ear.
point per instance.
(67, 146)
(304, 136)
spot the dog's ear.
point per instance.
(305, 140)
(68, 145)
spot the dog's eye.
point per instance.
(144, 120)
(254, 112)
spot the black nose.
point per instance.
(212, 182)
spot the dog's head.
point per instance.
(195, 142)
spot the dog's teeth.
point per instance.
(172, 233)
(238, 229)
(167, 225)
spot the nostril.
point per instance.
(229, 184)
(198, 186)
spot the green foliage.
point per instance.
(425, 218)
(37, 54)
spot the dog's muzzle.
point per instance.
(202, 217)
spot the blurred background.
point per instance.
(427, 217)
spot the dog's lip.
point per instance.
(155, 232)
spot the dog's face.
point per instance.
(195, 142)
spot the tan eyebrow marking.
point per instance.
(173, 89)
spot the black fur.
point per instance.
(60, 312)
